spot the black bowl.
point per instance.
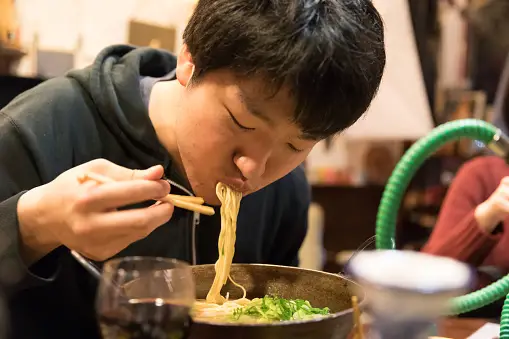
(321, 289)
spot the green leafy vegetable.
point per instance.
(278, 309)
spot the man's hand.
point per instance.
(85, 216)
(495, 209)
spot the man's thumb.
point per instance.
(152, 173)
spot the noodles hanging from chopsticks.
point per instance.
(230, 205)
(215, 304)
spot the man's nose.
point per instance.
(252, 166)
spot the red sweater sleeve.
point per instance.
(457, 234)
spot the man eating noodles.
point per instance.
(257, 84)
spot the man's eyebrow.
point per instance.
(308, 137)
(251, 107)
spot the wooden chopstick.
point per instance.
(186, 202)
(194, 200)
(187, 205)
(358, 330)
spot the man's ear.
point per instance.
(185, 67)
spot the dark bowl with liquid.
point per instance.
(321, 289)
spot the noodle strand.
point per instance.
(215, 305)
(230, 205)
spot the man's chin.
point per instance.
(210, 199)
(213, 202)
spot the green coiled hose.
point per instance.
(397, 185)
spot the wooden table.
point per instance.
(457, 328)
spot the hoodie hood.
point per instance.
(116, 83)
(113, 82)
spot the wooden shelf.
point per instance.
(11, 51)
(8, 56)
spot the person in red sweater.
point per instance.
(473, 224)
(475, 212)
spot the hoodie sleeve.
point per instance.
(18, 173)
(39, 140)
(294, 221)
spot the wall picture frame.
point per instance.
(148, 35)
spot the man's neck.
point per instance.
(164, 108)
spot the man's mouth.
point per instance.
(238, 185)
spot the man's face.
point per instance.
(231, 131)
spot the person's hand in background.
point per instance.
(85, 216)
(495, 209)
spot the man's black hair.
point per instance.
(330, 53)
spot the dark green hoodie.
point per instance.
(101, 112)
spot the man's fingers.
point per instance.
(113, 195)
(152, 173)
(504, 205)
(134, 223)
(123, 174)
(120, 173)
